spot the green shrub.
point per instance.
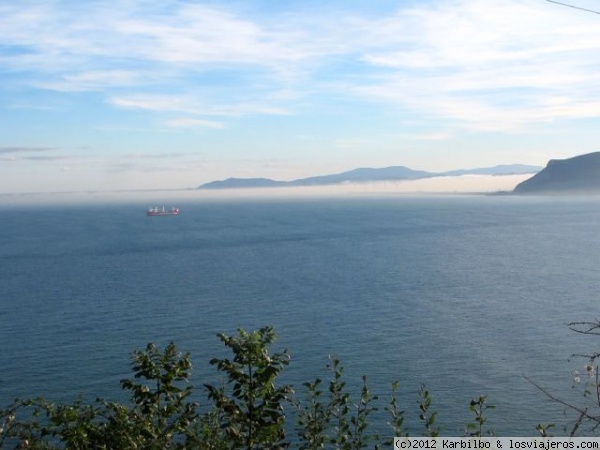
(248, 411)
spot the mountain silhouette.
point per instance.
(580, 174)
(367, 175)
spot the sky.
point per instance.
(171, 94)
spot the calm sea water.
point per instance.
(465, 294)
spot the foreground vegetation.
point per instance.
(250, 410)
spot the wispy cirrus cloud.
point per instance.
(170, 155)
(94, 80)
(483, 65)
(43, 158)
(499, 65)
(156, 102)
(24, 149)
(119, 43)
(193, 105)
(25, 153)
(193, 123)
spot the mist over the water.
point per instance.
(465, 184)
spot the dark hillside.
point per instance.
(580, 174)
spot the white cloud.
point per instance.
(153, 102)
(191, 104)
(435, 136)
(489, 65)
(193, 123)
(196, 34)
(484, 64)
(59, 38)
(93, 80)
(24, 149)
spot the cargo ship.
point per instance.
(162, 212)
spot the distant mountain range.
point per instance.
(366, 175)
(577, 175)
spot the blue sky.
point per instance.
(171, 94)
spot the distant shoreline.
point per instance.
(456, 185)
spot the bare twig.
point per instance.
(586, 327)
(583, 413)
(574, 7)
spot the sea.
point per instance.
(468, 295)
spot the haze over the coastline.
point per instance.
(170, 95)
